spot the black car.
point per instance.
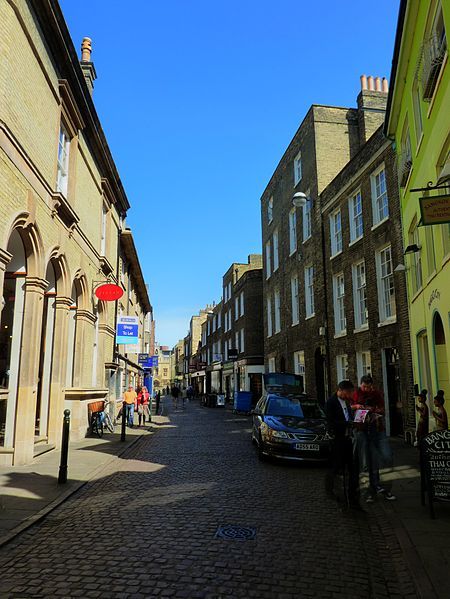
(287, 424)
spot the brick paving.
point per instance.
(148, 529)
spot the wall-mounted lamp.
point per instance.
(400, 268)
(413, 248)
(299, 199)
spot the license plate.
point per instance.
(307, 446)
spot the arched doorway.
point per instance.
(46, 355)
(440, 355)
(11, 319)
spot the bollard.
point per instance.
(124, 421)
(62, 477)
(150, 408)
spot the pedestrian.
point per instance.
(175, 393)
(158, 401)
(343, 458)
(440, 414)
(424, 416)
(371, 442)
(190, 393)
(130, 398)
(167, 390)
(143, 403)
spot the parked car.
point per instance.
(287, 424)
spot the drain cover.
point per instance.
(234, 532)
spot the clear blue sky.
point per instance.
(198, 100)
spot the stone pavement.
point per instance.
(148, 527)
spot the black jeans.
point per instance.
(344, 461)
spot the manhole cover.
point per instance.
(235, 532)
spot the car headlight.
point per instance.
(279, 434)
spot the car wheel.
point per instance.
(261, 455)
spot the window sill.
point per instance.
(307, 239)
(341, 334)
(378, 224)
(354, 241)
(387, 322)
(293, 252)
(336, 254)
(310, 316)
(294, 324)
(365, 327)
(299, 181)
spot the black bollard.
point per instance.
(150, 408)
(124, 421)
(62, 477)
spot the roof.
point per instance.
(129, 250)
(397, 46)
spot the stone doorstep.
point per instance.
(72, 488)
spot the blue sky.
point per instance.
(199, 99)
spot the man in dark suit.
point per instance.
(343, 458)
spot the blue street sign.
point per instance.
(127, 330)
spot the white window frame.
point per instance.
(309, 291)
(363, 364)
(236, 308)
(307, 224)
(340, 321)
(62, 176)
(341, 367)
(268, 260)
(380, 212)
(270, 210)
(241, 301)
(355, 217)
(336, 232)
(269, 316)
(104, 227)
(236, 340)
(219, 320)
(276, 259)
(242, 341)
(360, 295)
(299, 363)
(271, 364)
(298, 169)
(277, 309)
(295, 300)
(292, 231)
(385, 285)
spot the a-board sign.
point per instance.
(435, 466)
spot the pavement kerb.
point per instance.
(41, 514)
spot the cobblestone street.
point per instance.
(148, 530)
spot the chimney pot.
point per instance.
(378, 84)
(370, 83)
(385, 85)
(363, 82)
(86, 49)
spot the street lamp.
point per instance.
(299, 199)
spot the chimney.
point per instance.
(371, 102)
(87, 66)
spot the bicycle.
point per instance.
(101, 420)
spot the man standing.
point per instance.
(130, 398)
(343, 458)
(372, 443)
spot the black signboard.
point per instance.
(232, 354)
(435, 467)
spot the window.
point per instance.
(270, 210)
(236, 340)
(405, 157)
(219, 320)
(336, 232)
(341, 367)
(431, 254)
(275, 251)
(225, 298)
(236, 308)
(299, 363)
(63, 161)
(380, 206)
(103, 237)
(269, 317)
(165, 371)
(359, 292)
(309, 291)
(242, 341)
(295, 300)
(209, 327)
(298, 168)
(415, 257)
(445, 229)
(229, 290)
(385, 283)
(214, 323)
(229, 319)
(363, 364)
(417, 107)
(242, 302)
(340, 323)
(277, 306)
(272, 365)
(292, 231)
(434, 49)
(268, 264)
(355, 216)
(307, 218)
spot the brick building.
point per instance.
(367, 327)
(295, 313)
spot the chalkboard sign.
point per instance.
(435, 467)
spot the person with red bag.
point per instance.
(143, 399)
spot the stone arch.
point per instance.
(25, 225)
(61, 268)
(81, 287)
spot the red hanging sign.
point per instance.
(109, 292)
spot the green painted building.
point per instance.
(418, 123)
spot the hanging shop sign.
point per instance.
(435, 210)
(109, 292)
(127, 332)
(435, 468)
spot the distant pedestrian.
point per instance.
(167, 390)
(190, 393)
(130, 398)
(343, 458)
(158, 401)
(143, 399)
(424, 416)
(372, 444)
(440, 414)
(175, 394)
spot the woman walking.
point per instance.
(143, 402)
